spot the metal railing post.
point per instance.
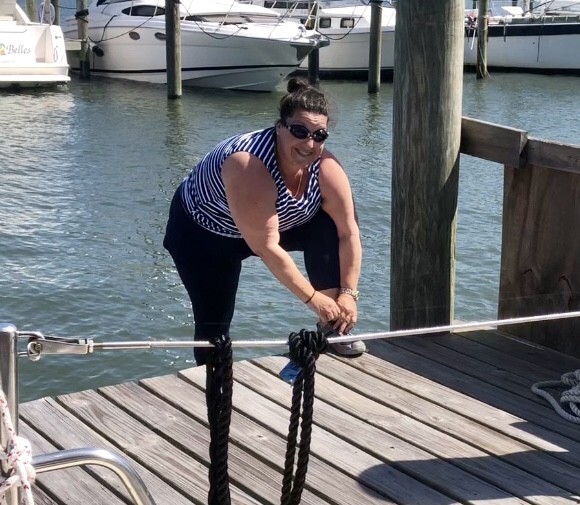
(9, 385)
(90, 456)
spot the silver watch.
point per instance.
(352, 292)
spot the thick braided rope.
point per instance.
(15, 460)
(571, 396)
(219, 383)
(305, 347)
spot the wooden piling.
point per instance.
(56, 5)
(481, 69)
(83, 32)
(314, 56)
(376, 35)
(30, 9)
(173, 49)
(427, 98)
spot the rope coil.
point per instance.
(16, 460)
(569, 397)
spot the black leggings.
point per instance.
(210, 264)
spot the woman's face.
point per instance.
(302, 152)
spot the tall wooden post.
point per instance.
(173, 48)
(428, 85)
(30, 9)
(481, 70)
(376, 35)
(83, 31)
(56, 5)
(314, 55)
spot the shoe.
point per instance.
(350, 349)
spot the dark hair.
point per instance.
(302, 96)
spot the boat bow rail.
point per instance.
(13, 460)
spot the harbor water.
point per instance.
(87, 173)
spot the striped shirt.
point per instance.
(204, 196)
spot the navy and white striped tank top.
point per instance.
(203, 192)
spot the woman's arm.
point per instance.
(251, 194)
(338, 202)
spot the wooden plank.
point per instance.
(488, 440)
(539, 273)
(540, 413)
(553, 155)
(41, 498)
(467, 457)
(461, 394)
(182, 471)
(246, 472)
(58, 483)
(483, 363)
(67, 432)
(322, 479)
(524, 349)
(519, 370)
(492, 142)
(345, 441)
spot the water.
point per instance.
(87, 174)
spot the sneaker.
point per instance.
(349, 349)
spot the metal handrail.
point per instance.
(101, 457)
(60, 459)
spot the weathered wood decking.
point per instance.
(432, 420)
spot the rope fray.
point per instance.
(571, 396)
(16, 460)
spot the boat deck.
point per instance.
(436, 420)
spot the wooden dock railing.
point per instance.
(540, 255)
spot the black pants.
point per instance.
(210, 264)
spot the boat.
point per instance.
(31, 54)
(224, 44)
(545, 40)
(346, 24)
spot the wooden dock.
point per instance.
(437, 420)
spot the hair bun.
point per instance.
(297, 84)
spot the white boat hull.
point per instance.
(542, 47)
(239, 61)
(31, 54)
(349, 56)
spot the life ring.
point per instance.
(41, 12)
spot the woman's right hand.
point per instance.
(325, 307)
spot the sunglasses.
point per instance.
(301, 132)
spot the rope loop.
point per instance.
(219, 384)
(16, 460)
(305, 344)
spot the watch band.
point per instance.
(352, 292)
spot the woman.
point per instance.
(266, 193)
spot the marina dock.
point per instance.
(418, 420)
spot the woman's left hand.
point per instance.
(348, 316)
